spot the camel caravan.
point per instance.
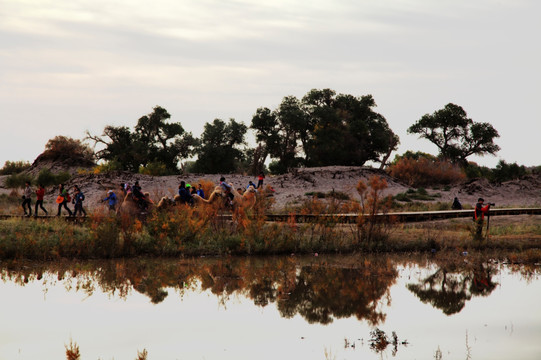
(137, 203)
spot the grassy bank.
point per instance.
(185, 231)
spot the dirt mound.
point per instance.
(298, 185)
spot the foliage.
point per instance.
(419, 194)
(505, 171)
(369, 229)
(14, 167)
(47, 178)
(15, 181)
(456, 136)
(219, 151)
(425, 171)
(328, 129)
(107, 166)
(154, 169)
(63, 148)
(502, 172)
(154, 141)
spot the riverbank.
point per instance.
(187, 233)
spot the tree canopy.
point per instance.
(218, 150)
(456, 136)
(326, 128)
(154, 140)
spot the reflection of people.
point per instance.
(40, 193)
(479, 216)
(456, 204)
(27, 199)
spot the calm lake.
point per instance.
(290, 307)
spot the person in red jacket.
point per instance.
(40, 193)
(479, 216)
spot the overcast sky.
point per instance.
(67, 66)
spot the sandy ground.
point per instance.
(292, 188)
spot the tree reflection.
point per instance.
(449, 287)
(317, 290)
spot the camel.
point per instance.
(130, 207)
(245, 201)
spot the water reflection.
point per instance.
(450, 286)
(319, 289)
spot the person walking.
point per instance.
(27, 199)
(40, 193)
(260, 179)
(479, 217)
(111, 197)
(78, 199)
(62, 200)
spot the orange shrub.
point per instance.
(426, 172)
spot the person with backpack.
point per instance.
(78, 199)
(40, 193)
(63, 199)
(27, 199)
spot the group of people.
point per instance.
(62, 200)
(185, 192)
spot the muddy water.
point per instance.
(340, 307)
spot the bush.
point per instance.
(154, 169)
(506, 172)
(66, 148)
(15, 181)
(14, 167)
(47, 178)
(426, 171)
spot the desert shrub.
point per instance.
(14, 167)
(370, 230)
(473, 171)
(15, 181)
(47, 178)
(66, 148)
(154, 169)
(106, 167)
(425, 171)
(505, 171)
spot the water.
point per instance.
(272, 308)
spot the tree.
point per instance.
(278, 132)
(346, 130)
(154, 141)
(166, 143)
(326, 128)
(456, 135)
(218, 151)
